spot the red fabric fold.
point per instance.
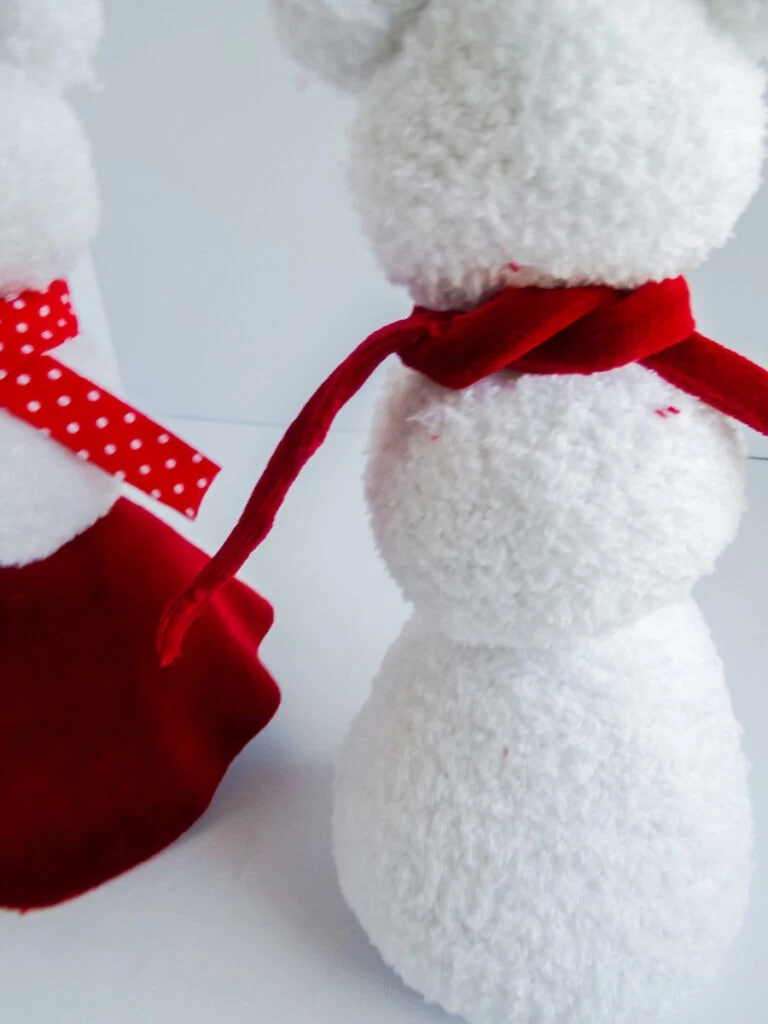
(105, 759)
(528, 330)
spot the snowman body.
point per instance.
(542, 810)
(542, 813)
(549, 836)
(48, 495)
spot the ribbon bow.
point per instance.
(80, 415)
(528, 330)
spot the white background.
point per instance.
(234, 279)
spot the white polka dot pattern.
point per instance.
(92, 423)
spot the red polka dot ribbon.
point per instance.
(93, 423)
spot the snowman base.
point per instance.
(107, 759)
(549, 835)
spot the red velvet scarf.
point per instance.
(529, 330)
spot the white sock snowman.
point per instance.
(104, 761)
(542, 812)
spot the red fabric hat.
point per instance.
(528, 330)
(105, 758)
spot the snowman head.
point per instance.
(49, 206)
(610, 141)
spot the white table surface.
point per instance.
(242, 920)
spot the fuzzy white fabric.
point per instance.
(49, 213)
(538, 511)
(611, 140)
(53, 40)
(343, 41)
(49, 205)
(47, 495)
(556, 837)
(542, 812)
(747, 20)
(581, 142)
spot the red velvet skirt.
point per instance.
(105, 758)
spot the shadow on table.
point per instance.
(279, 815)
